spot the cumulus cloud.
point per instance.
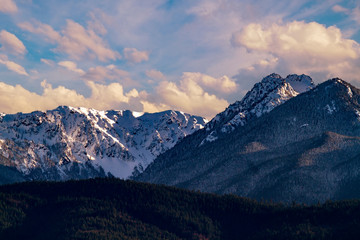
(108, 96)
(135, 56)
(11, 44)
(13, 66)
(187, 96)
(8, 6)
(18, 99)
(301, 47)
(72, 66)
(221, 85)
(310, 39)
(74, 40)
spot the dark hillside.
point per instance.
(117, 209)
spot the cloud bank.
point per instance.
(301, 47)
(189, 95)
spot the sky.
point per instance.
(196, 56)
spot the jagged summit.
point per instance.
(270, 92)
(300, 83)
(70, 142)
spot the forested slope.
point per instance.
(117, 209)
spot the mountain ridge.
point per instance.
(270, 92)
(72, 142)
(303, 150)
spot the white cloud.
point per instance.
(12, 66)
(71, 66)
(188, 96)
(11, 44)
(219, 85)
(18, 99)
(301, 47)
(135, 56)
(74, 40)
(8, 6)
(297, 38)
(108, 96)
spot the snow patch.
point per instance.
(137, 114)
(357, 112)
(330, 108)
(349, 91)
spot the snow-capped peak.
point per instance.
(267, 94)
(115, 142)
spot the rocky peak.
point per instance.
(300, 83)
(267, 94)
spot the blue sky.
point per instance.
(153, 55)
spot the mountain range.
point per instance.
(306, 149)
(286, 140)
(76, 143)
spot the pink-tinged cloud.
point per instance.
(12, 66)
(188, 96)
(74, 40)
(338, 8)
(15, 99)
(41, 28)
(8, 6)
(219, 85)
(135, 56)
(101, 73)
(11, 44)
(155, 74)
(47, 61)
(300, 47)
(299, 39)
(72, 66)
